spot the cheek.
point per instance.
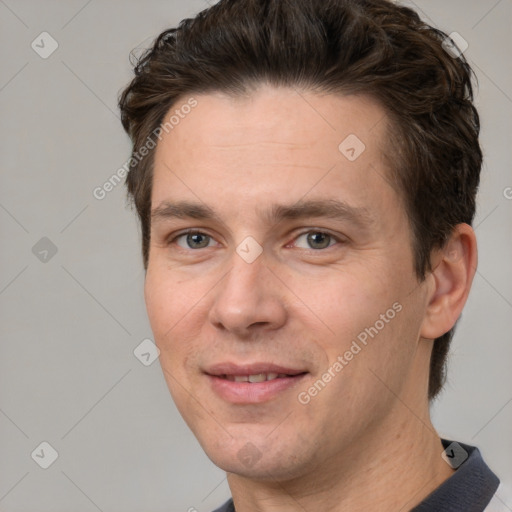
(167, 302)
(369, 321)
(167, 306)
(343, 305)
(174, 311)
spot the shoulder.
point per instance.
(472, 488)
(227, 507)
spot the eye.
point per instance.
(314, 240)
(317, 239)
(193, 240)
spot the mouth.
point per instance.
(257, 377)
(252, 384)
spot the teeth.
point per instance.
(260, 377)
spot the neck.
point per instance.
(394, 467)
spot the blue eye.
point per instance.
(194, 240)
(317, 239)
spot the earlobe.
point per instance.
(454, 268)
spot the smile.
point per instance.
(258, 377)
(252, 384)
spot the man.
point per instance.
(305, 175)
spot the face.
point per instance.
(280, 285)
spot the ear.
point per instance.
(454, 266)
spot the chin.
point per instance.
(270, 471)
(244, 458)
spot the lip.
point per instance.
(251, 392)
(251, 369)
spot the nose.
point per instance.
(249, 298)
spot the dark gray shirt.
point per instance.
(469, 489)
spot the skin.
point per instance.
(300, 306)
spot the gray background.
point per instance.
(69, 325)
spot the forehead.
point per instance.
(274, 143)
(279, 115)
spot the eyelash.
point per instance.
(172, 240)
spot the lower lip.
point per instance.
(252, 392)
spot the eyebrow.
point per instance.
(326, 208)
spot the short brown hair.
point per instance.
(372, 47)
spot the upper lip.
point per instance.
(251, 369)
